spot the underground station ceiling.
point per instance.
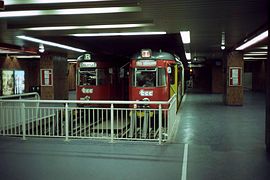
(121, 28)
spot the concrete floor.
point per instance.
(218, 142)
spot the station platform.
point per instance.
(213, 141)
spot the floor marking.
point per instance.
(185, 161)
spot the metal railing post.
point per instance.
(2, 120)
(66, 122)
(159, 123)
(23, 120)
(112, 120)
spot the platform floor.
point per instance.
(213, 142)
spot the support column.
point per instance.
(234, 67)
(57, 67)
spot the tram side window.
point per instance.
(172, 75)
(161, 77)
(102, 77)
(88, 78)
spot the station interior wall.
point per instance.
(30, 66)
(207, 79)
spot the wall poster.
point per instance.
(46, 77)
(7, 82)
(235, 76)
(19, 81)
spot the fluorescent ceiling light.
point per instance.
(185, 37)
(258, 52)
(5, 51)
(109, 26)
(188, 56)
(255, 54)
(16, 2)
(72, 60)
(69, 11)
(253, 41)
(118, 34)
(26, 57)
(50, 43)
(247, 58)
(263, 47)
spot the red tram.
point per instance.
(94, 78)
(155, 76)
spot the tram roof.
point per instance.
(155, 56)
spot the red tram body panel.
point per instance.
(94, 79)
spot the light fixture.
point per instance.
(100, 10)
(7, 51)
(50, 43)
(72, 60)
(222, 41)
(16, 2)
(41, 48)
(188, 56)
(107, 26)
(185, 35)
(258, 52)
(255, 58)
(255, 54)
(27, 57)
(118, 34)
(253, 41)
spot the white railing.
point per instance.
(11, 112)
(112, 120)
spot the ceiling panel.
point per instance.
(206, 20)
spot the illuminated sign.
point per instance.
(146, 93)
(146, 53)
(87, 57)
(87, 90)
(146, 63)
(88, 64)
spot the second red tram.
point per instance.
(94, 78)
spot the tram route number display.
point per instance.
(235, 76)
(46, 77)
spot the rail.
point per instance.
(110, 120)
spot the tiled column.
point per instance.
(234, 67)
(58, 64)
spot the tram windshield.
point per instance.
(148, 77)
(92, 77)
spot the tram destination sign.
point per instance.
(88, 64)
(146, 63)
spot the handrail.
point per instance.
(88, 102)
(20, 95)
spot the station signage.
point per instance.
(46, 77)
(235, 76)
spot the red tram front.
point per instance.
(153, 76)
(94, 79)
